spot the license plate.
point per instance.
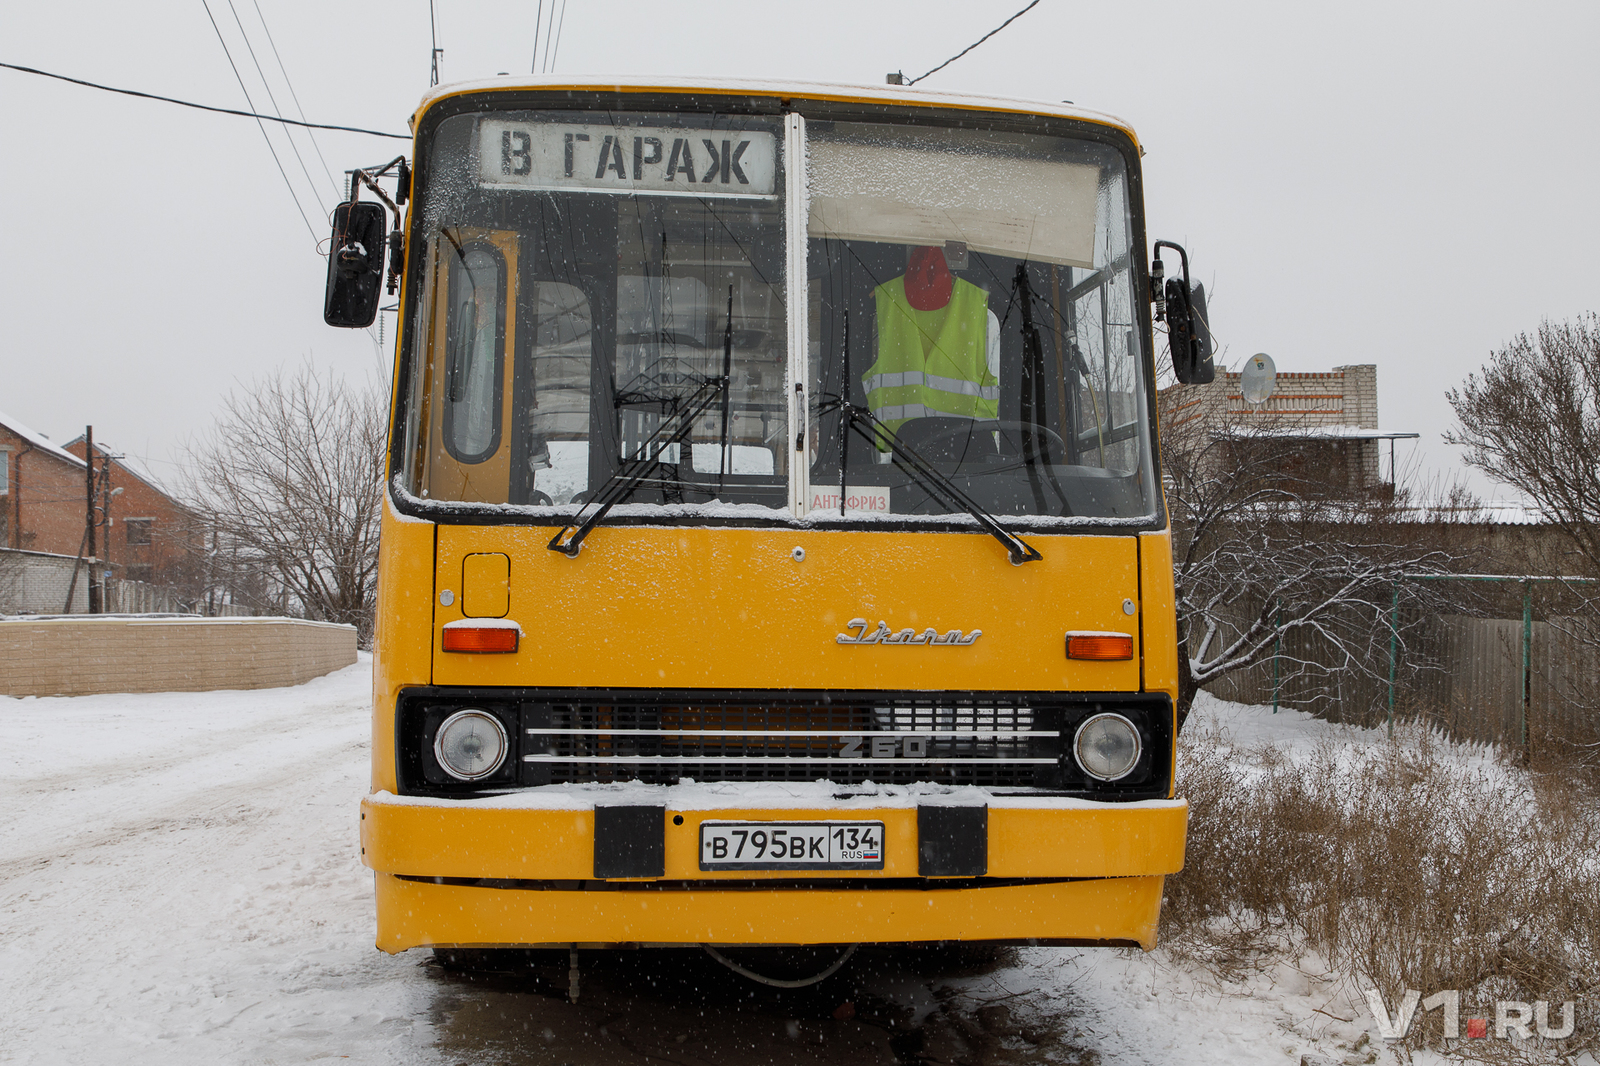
(791, 845)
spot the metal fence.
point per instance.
(1508, 659)
(139, 597)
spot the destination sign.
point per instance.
(632, 159)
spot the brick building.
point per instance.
(144, 535)
(42, 492)
(1325, 424)
(148, 536)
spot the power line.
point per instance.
(538, 20)
(289, 185)
(561, 24)
(549, 30)
(203, 107)
(272, 99)
(976, 43)
(337, 190)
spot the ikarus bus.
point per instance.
(774, 550)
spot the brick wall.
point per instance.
(1360, 394)
(83, 656)
(44, 500)
(151, 535)
(1344, 396)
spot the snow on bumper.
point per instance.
(531, 837)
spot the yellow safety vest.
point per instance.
(931, 362)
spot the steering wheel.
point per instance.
(991, 425)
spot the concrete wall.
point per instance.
(37, 582)
(81, 656)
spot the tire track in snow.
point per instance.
(203, 805)
(209, 908)
(109, 771)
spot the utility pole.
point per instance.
(88, 497)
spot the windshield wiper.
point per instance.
(674, 429)
(1034, 452)
(935, 481)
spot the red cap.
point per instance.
(928, 279)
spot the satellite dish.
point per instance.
(1258, 379)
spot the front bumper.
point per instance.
(502, 872)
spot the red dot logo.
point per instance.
(1477, 1028)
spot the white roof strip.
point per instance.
(38, 440)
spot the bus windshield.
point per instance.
(603, 288)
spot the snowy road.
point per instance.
(180, 883)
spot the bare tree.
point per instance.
(1270, 554)
(290, 479)
(1531, 419)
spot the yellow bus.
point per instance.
(774, 550)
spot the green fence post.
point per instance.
(1527, 663)
(1277, 650)
(1394, 652)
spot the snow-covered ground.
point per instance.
(180, 883)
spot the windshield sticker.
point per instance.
(599, 158)
(855, 499)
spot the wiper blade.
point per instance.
(864, 423)
(672, 430)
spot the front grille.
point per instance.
(992, 740)
(950, 742)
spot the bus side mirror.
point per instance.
(355, 265)
(1189, 334)
(1183, 307)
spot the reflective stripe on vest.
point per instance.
(931, 363)
(933, 381)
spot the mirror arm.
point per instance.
(366, 179)
(1158, 269)
(397, 243)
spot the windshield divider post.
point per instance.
(845, 410)
(727, 393)
(796, 283)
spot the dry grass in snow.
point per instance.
(1409, 862)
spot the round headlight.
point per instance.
(470, 745)
(1107, 747)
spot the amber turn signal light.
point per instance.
(481, 638)
(1101, 646)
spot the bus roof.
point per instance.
(809, 90)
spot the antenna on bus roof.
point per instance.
(433, 33)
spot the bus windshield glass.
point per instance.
(971, 304)
(607, 293)
(601, 288)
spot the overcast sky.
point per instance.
(1409, 185)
